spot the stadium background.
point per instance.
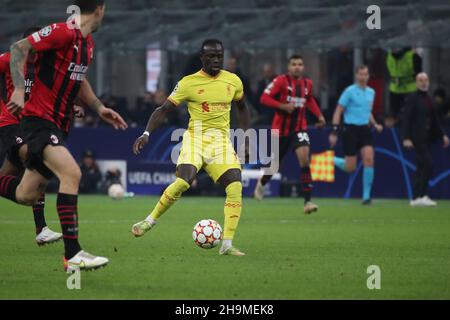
(149, 45)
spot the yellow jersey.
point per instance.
(209, 99)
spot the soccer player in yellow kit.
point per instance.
(206, 143)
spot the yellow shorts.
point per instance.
(214, 154)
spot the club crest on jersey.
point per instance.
(19, 140)
(54, 139)
(45, 32)
(306, 91)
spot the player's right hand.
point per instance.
(288, 107)
(139, 144)
(378, 127)
(15, 105)
(408, 144)
(333, 138)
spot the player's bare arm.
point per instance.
(79, 111)
(321, 121)
(374, 123)
(335, 122)
(156, 120)
(243, 114)
(19, 55)
(108, 115)
(244, 121)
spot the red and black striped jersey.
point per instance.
(6, 118)
(286, 89)
(63, 64)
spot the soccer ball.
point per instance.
(116, 191)
(207, 234)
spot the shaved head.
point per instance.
(422, 81)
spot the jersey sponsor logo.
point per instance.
(45, 32)
(216, 106)
(78, 71)
(28, 85)
(298, 102)
(205, 107)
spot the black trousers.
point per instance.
(396, 101)
(424, 169)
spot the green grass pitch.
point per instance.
(289, 255)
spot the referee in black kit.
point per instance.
(421, 128)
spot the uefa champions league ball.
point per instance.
(207, 234)
(116, 192)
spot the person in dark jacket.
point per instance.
(442, 106)
(421, 128)
(90, 174)
(265, 114)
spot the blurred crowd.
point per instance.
(401, 66)
(93, 179)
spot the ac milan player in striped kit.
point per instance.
(14, 142)
(66, 50)
(290, 95)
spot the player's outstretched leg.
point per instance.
(232, 211)
(59, 160)
(231, 180)
(339, 163)
(44, 235)
(306, 179)
(260, 187)
(8, 187)
(307, 186)
(368, 155)
(169, 197)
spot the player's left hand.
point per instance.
(446, 142)
(113, 118)
(17, 101)
(79, 111)
(321, 123)
(378, 127)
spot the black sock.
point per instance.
(8, 186)
(38, 211)
(68, 216)
(306, 181)
(265, 179)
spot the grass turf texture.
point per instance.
(289, 255)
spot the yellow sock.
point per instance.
(232, 209)
(169, 197)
